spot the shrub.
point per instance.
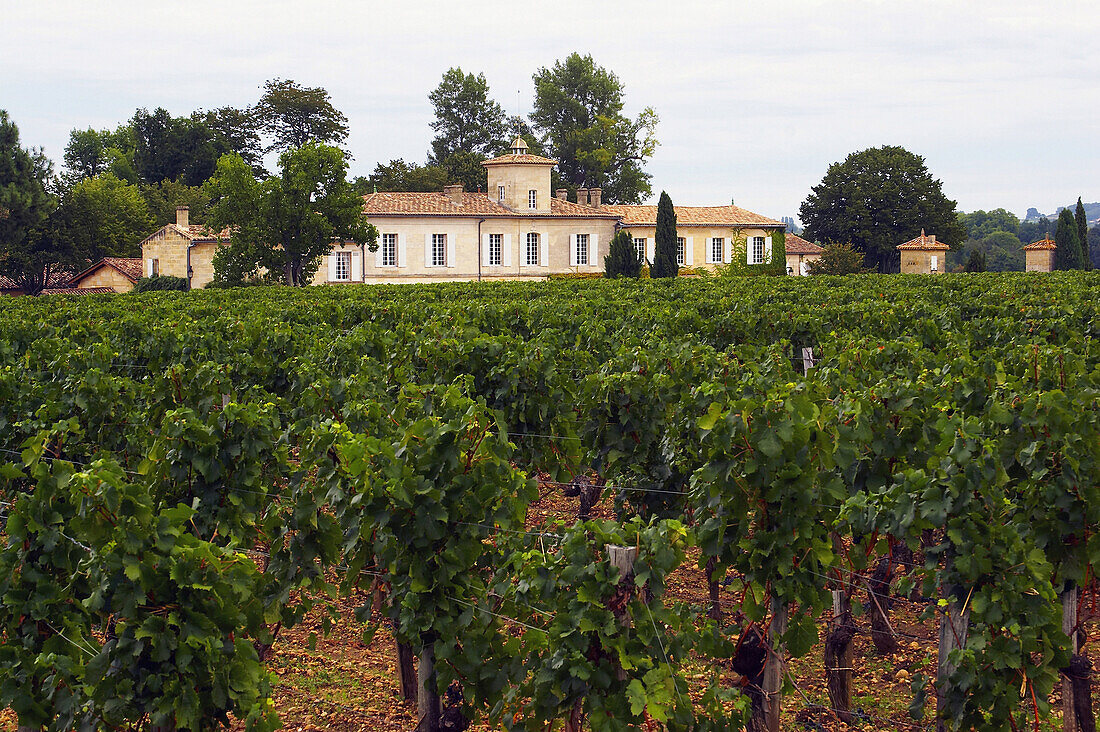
(838, 259)
(158, 283)
(622, 258)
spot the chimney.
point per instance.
(582, 196)
(454, 193)
(182, 215)
(594, 197)
(562, 194)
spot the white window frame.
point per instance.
(639, 247)
(531, 250)
(681, 251)
(343, 262)
(532, 198)
(389, 250)
(582, 250)
(439, 250)
(718, 250)
(500, 194)
(757, 244)
(496, 250)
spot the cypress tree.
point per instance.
(622, 258)
(1068, 254)
(664, 249)
(1083, 234)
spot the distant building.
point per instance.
(117, 274)
(799, 255)
(1039, 256)
(518, 229)
(923, 255)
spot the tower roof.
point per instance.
(1046, 243)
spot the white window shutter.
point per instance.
(748, 250)
(544, 249)
(485, 249)
(356, 266)
(401, 261)
(594, 255)
(768, 249)
(450, 250)
(650, 249)
(572, 250)
(506, 251)
(148, 267)
(428, 250)
(378, 253)
(331, 267)
(689, 251)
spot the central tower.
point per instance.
(519, 180)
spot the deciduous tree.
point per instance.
(105, 217)
(397, 175)
(238, 130)
(467, 120)
(293, 115)
(664, 244)
(91, 152)
(174, 148)
(286, 223)
(838, 259)
(578, 109)
(876, 199)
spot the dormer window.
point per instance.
(532, 199)
(500, 193)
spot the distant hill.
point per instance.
(1092, 214)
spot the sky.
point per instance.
(756, 99)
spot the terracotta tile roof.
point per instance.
(472, 204)
(128, 267)
(199, 232)
(520, 159)
(6, 283)
(794, 244)
(1045, 244)
(78, 291)
(924, 242)
(57, 279)
(692, 216)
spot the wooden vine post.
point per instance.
(954, 623)
(839, 656)
(429, 709)
(773, 666)
(1077, 713)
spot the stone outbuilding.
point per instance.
(1039, 256)
(799, 255)
(117, 274)
(923, 255)
(182, 250)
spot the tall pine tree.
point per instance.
(622, 258)
(664, 249)
(1083, 233)
(1068, 253)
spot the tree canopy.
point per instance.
(1082, 234)
(981, 224)
(30, 249)
(238, 130)
(1070, 253)
(293, 115)
(286, 223)
(174, 148)
(623, 259)
(105, 217)
(877, 199)
(837, 259)
(467, 120)
(578, 109)
(397, 175)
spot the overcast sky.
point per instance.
(1001, 97)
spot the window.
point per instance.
(935, 261)
(582, 249)
(639, 246)
(155, 267)
(439, 250)
(681, 250)
(500, 193)
(531, 254)
(532, 199)
(496, 246)
(343, 266)
(389, 250)
(757, 250)
(718, 250)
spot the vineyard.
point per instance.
(187, 477)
